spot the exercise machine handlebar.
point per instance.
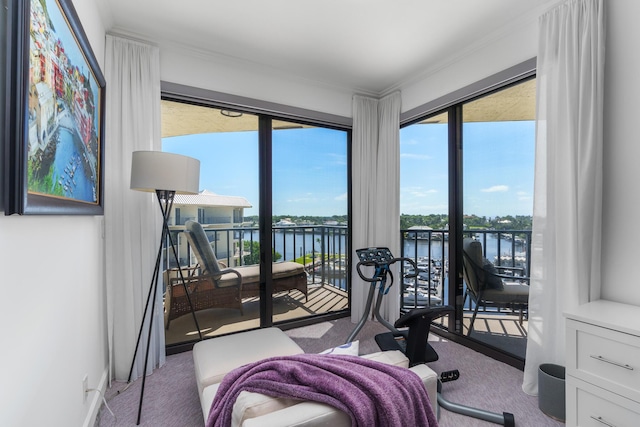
(381, 259)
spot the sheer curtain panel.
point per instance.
(567, 221)
(132, 218)
(376, 190)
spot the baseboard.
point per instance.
(96, 400)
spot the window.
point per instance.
(265, 182)
(310, 205)
(237, 216)
(467, 171)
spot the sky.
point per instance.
(498, 161)
(310, 168)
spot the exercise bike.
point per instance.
(413, 340)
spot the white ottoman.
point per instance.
(213, 358)
(216, 357)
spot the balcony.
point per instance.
(506, 248)
(323, 250)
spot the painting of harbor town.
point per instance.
(64, 109)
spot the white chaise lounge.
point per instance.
(213, 358)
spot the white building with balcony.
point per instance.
(218, 215)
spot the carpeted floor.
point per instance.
(171, 397)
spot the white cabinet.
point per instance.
(603, 365)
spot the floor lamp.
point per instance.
(166, 174)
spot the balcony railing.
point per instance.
(322, 249)
(324, 252)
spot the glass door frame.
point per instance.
(453, 328)
(265, 210)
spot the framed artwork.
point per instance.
(54, 151)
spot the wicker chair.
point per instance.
(211, 284)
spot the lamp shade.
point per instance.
(157, 170)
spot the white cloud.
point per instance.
(417, 191)
(341, 197)
(496, 189)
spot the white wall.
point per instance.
(52, 321)
(621, 153)
(496, 55)
(231, 76)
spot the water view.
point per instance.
(69, 168)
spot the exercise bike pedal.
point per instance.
(449, 376)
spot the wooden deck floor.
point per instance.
(499, 330)
(321, 298)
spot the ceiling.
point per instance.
(514, 103)
(363, 45)
(179, 118)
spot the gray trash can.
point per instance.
(551, 394)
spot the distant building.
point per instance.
(45, 111)
(420, 232)
(214, 212)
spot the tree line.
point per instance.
(441, 222)
(435, 221)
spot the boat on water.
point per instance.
(413, 297)
(285, 222)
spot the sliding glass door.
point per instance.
(226, 143)
(498, 154)
(310, 222)
(273, 204)
(424, 201)
(467, 173)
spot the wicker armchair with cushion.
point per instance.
(486, 286)
(208, 284)
(212, 285)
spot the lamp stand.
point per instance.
(165, 200)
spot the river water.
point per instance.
(68, 167)
(293, 244)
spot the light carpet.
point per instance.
(171, 397)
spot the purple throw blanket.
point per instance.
(372, 393)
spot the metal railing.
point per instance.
(322, 249)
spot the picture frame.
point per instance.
(54, 137)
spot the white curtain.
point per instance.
(376, 189)
(567, 220)
(133, 221)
